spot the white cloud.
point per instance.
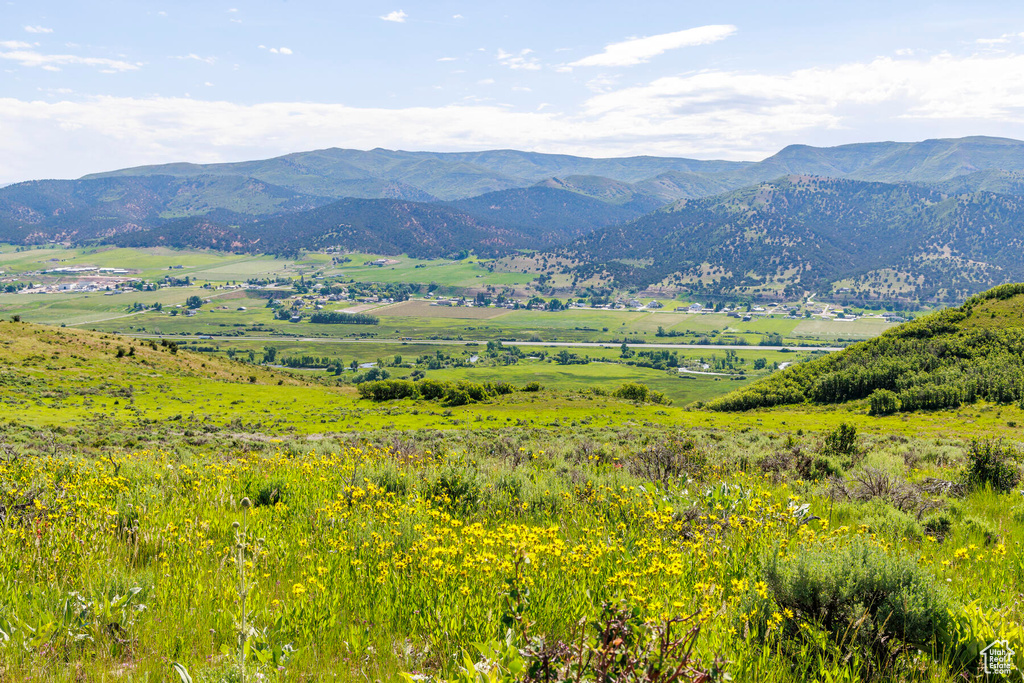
(485, 81)
(521, 88)
(281, 50)
(32, 58)
(447, 59)
(397, 16)
(457, 16)
(38, 29)
(195, 57)
(640, 50)
(602, 83)
(518, 61)
(724, 114)
(1001, 40)
(14, 45)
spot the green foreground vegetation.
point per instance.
(263, 506)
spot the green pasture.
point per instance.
(110, 313)
(861, 328)
(153, 263)
(681, 388)
(75, 308)
(465, 273)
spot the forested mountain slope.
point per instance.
(380, 226)
(802, 233)
(549, 216)
(80, 210)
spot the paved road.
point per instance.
(467, 342)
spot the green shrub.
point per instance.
(372, 375)
(840, 442)
(817, 467)
(659, 398)
(499, 388)
(387, 390)
(476, 392)
(887, 521)
(938, 526)
(633, 391)
(992, 463)
(668, 460)
(861, 594)
(268, 493)
(456, 397)
(531, 386)
(455, 490)
(883, 402)
(981, 527)
(432, 389)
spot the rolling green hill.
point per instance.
(803, 233)
(944, 360)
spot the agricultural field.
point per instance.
(470, 273)
(157, 261)
(417, 319)
(220, 267)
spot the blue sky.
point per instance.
(91, 86)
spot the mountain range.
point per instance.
(937, 219)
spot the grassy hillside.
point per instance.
(164, 518)
(120, 390)
(958, 356)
